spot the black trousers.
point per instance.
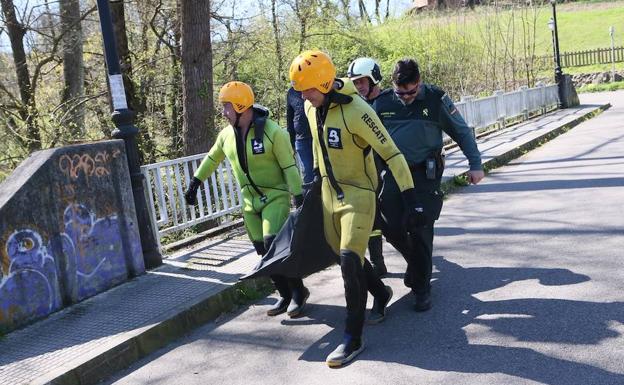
(416, 247)
(286, 287)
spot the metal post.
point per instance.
(558, 70)
(126, 130)
(612, 33)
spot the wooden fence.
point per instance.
(589, 57)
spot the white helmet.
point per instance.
(364, 67)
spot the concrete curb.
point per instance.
(174, 246)
(116, 356)
(176, 323)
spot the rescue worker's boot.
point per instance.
(378, 312)
(355, 294)
(345, 352)
(381, 294)
(375, 248)
(281, 306)
(280, 282)
(300, 296)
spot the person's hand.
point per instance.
(298, 200)
(475, 176)
(415, 212)
(190, 196)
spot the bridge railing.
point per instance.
(166, 182)
(503, 107)
(220, 194)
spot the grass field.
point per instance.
(585, 26)
(601, 87)
(582, 26)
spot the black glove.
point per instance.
(190, 196)
(317, 175)
(415, 213)
(298, 200)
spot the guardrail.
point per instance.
(220, 194)
(166, 182)
(504, 107)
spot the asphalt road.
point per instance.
(528, 289)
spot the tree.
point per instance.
(197, 88)
(73, 66)
(279, 54)
(27, 108)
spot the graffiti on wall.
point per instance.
(86, 258)
(93, 249)
(30, 286)
(86, 164)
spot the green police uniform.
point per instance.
(417, 130)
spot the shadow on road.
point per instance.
(437, 340)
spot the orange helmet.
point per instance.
(239, 94)
(312, 69)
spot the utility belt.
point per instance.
(432, 167)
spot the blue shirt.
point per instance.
(296, 120)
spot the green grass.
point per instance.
(601, 87)
(581, 25)
(585, 26)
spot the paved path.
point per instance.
(92, 339)
(528, 289)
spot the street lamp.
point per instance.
(552, 25)
(612, 34)
(125, 129)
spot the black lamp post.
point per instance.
(126, 130)
(552, 25)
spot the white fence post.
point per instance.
(471, 117)
(500, 108)
(525, 102)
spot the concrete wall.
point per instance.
(68, 230)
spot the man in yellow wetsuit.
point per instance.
(264, 166)
(344, 130)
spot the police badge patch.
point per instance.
(257, 147)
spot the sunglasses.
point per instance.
(405, 93)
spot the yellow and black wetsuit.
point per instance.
(344, 131)
(342, 143)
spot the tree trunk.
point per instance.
(198, 127)
(73, 66)
(175, 93)
(27, 110)
(281, 79)
(136, 102)
(345, 10)
(363, 13)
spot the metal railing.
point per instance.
(166, 182)
(504, 107)
(221, 195)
